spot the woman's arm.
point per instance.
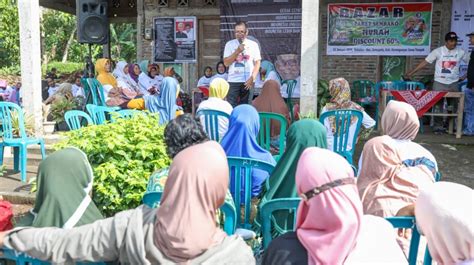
(94, 242)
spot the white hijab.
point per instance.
(445, 215)
(118, 71)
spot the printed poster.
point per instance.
(398, 29)
(462, 22)
(175, 39)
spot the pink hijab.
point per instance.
(328, 224)
(400, 121)
(196, 187)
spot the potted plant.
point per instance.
(29, 124)
(59, 108)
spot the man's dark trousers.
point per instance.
(237, 94)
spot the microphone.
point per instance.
(241, 41)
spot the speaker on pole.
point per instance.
(92, 21)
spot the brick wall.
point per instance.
(368, 67)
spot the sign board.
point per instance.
(175, 39)
(379, 29)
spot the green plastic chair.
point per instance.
(363, 90)
(410, 223)
(75, 119)
(290, 85)
(211, 122)
(266, 211)
(8, 113)
(264, 135)
(99, 113)
(342, 118)
(411, 85)
(241, 175)
(93, 88)
(23, 259)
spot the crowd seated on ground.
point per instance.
(340, 219)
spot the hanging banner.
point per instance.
(462, 22)
(379, 29)
(174, 39)
(274, 24)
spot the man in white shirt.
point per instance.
(52, 87)
(447, 58)
(242, 56)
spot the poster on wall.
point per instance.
(379, 29)
(175, 39)
(274, 24)
(462, 22)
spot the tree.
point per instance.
(9, 34)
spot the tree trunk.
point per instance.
(68, 45)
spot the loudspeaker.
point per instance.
(92, 21)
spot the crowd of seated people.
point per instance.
(340, 218)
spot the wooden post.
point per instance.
(30, 54)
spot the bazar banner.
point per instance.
(396, 29)
(462, 22)
(175, 39)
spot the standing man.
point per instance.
(242, 56)
(447, 60)
(470, 67)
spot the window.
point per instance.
(209, 2)
(183, 3)
(163, 3)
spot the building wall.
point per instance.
(369, 67)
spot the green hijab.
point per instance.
(301, 135)
(144, 66)
(62, 200)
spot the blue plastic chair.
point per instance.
(241, 176)
(264, 135)
(410, 223)
(366, 89)
(23, 259)
(152, 200)
(19, 143)
(211, 122)
(412, 85)
(266, 211)
(98, 113)
(290, 85)
(342, 119)
(94, 88)
(75, 119)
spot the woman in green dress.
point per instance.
(301, 135)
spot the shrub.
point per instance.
(66, 68)
(123, 155)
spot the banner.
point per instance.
(175, 39)
(462, 22)
(274, 24)
(379, 29)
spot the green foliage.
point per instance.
(123, 155)
(9, 34)
(323, 94)
(59, 108)
(10, 70)
(28, 122)
(63, 68)
(123, 42)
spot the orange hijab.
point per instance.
(270, 100)
(185, 225)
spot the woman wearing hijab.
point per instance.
(155, 77)
(216, 101)
(133, 74)
(114, 94)
(164, 103)
(206, 79)
(267, 72)
(221, 71)
(183, 230)
(340, 92)
(330, 225)
(241, 141)
(145, 82)
(121, 74)
(63, 198)
(301, 135)
(401, 123)
(270, 100)
(445, 216)
(387, 184)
